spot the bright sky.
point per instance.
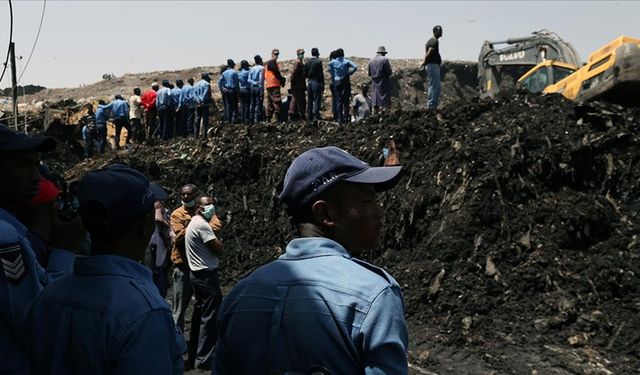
(82, 40)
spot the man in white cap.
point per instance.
(318, 309)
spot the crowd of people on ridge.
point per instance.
(183, 109)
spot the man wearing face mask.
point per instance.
(203, 252)
(182, 289)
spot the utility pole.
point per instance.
(14, 81)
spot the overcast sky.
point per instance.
(82, 40)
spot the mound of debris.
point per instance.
(514, 232)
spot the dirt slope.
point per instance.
(514, 232)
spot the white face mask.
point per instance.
(208, 211)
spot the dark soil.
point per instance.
(514, 231)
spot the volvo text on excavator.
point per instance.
(508, 63)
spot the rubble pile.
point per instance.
(514, 232)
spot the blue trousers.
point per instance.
(255, 109)
(314, 93)
(433, 78)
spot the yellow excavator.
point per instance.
(551, 65)
(612, 74)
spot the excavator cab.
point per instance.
(544, 74)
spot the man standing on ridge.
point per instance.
(273, 82)
(135, 116)
(188, 106)
(202, 98)
(119, 110)
(315, 85)
(256, 81)
(298, 83)
(380, 72)
(341, 70)
(148, 99)
(431, 64)
(229, 87)
(164, 105)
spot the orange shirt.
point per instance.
(180, 219)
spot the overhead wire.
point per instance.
(44, 6)
(6, 61)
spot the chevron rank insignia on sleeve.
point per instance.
(11, 258)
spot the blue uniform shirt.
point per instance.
(176, 94)
(118, 108)
(229, 80)
(340, 68)
(243, 80)
(256, 76)
(314, 306)
(101, 116)
(107, 317)
(164, 98)
(21, 279)
(187, 96)
(202, 92)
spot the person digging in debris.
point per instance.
(361, 105)
(107, 316)
(431, 64)
(102, 115)
(318, 309)
(203, 249)
(90, 133)
(21, 277)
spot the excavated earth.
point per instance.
(514, 232)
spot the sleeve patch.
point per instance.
(13, 266)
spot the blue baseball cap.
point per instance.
(123, 192)
(11, 140)
(316, 171)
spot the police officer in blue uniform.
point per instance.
(317, 309)
(107, 317)
(21, 277)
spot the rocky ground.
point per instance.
(514, 231)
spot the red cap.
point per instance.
(47, 191)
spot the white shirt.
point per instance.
(199, 255)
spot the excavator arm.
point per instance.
(522, 54)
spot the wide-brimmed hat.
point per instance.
(382, 50)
